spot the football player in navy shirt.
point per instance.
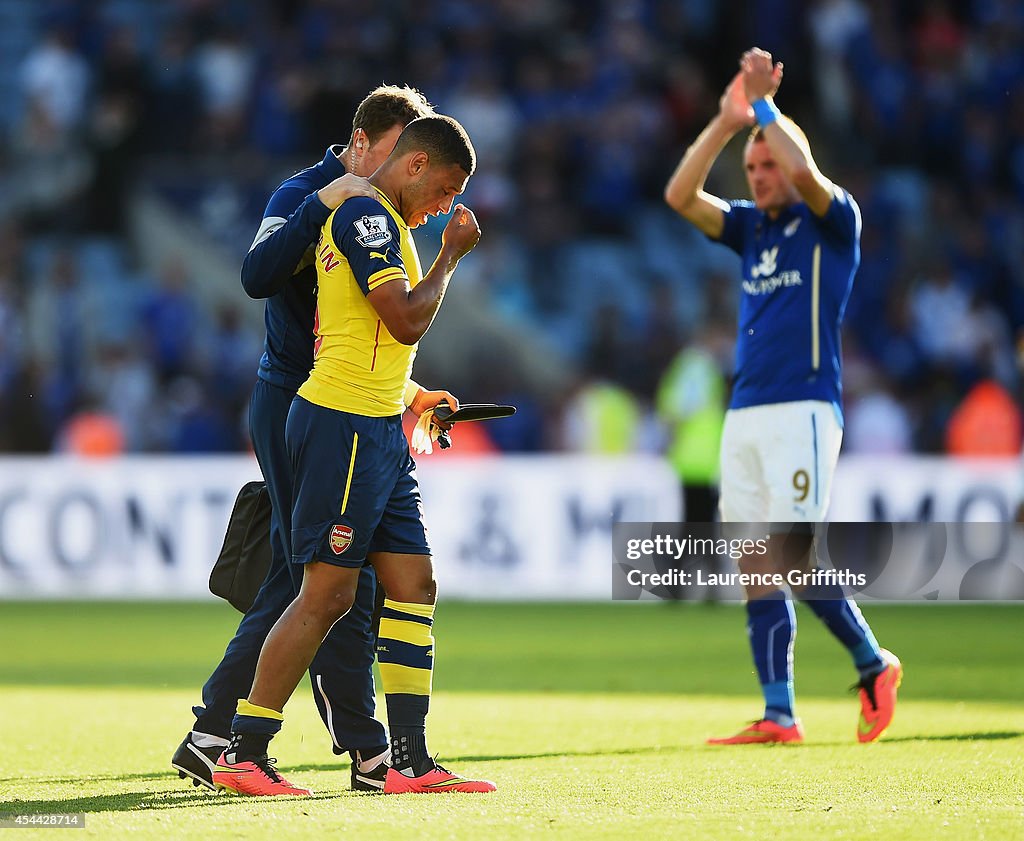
(799, 240)
(280, 269)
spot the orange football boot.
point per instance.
(764, 732)
(257, 777)
(878, 699)
(437, 779)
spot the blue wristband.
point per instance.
(765, 111)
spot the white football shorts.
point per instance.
(777, 462)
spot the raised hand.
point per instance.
(462, 232)
(760, 76)
(733, 107)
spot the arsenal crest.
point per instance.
(341, 538)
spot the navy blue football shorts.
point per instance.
(355, 487)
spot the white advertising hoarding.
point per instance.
(501, 528)
(150, 527)
(133, 527)
(926, 489)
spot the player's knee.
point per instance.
(326, 608)
(420, 588)
(406, 577)
(756, 564)
(325, 600)
(792, 550)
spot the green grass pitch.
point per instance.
(591, 719)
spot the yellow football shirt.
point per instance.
(358, 366)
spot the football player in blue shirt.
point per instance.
(799, 240)
(280, 268)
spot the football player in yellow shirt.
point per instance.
(356, 497)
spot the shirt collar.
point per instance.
(394, 210)
(785, 216)
(331, 164)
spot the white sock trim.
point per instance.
(365, 766)
(206, 740)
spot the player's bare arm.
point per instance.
(761, 78)
(408, 313)
(685, 192)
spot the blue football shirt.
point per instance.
(797, 275)
(280, 268)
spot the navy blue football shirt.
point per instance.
(280, 268)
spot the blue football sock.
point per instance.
(844, 619)
(771, 624)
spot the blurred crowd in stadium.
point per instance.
(579, 110)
